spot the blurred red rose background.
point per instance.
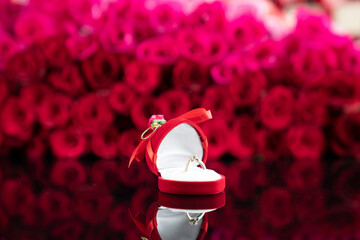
(80, 79)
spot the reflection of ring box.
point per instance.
(168, 150)
(168, 218)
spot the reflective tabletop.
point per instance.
(106, 200)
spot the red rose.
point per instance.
(84, 13)
(345, 140)
(202, 47)
(54, 111)
(82, 47)
(68, 174)
(142, 76)
(217, 132)
(232, 68)
(105, 173)
(270, 144)
(247, 89)
(32, 25)
(136, 13)
(35, 95)
(306, 142)
(310, 108)
(101, 69)
(341, 87)
(142, 111)
(17, 119)
(144, 31)
(304, 175)
(92, 114)
(190, 76)
(158, 50)
(242, 138)
(312, 26)
(71, 229)
(68, 80)
(92, 204)
(118, 218)
(266, 55)
(26, 67)
(128, 140)
(17, 196)
(166, 17)
(276, 207)
(169, 103)
(67, 143)
(54, 51)
(117, 36)
(121, 98)
(208, 15)
(216, 99)
(292, 43)
(308, 66)
(242, 179)
(244, 30)
(104, 144)
(55, 205)
(276, 108)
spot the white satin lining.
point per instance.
(174, 152)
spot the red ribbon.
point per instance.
(198, 115)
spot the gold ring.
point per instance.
(154, 128)
(194, 158)
(195, 220)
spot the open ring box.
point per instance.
(177, 217)
(168, 150)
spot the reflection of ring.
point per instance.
(195, 220)
(194, 158)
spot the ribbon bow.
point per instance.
(197, 115)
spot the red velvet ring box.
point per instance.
(177, 217)
(168, 149)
